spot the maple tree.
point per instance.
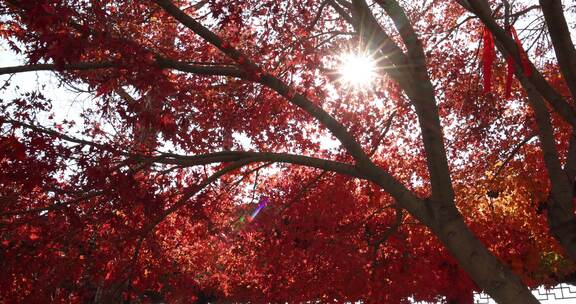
(200, 109)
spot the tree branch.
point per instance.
(406, 31)
(193, 190)
(513, 153)
(199, 69)
(55, 206)
(561, 40)
(415, 81)
(341, 11)
(387, 126)
(384, 179)
(570, 165)
(374, 37)
(209, 158)
(318, 15)
(561, 217)
(62, 136)
(82, 66)
(207, 70)
(234, 156)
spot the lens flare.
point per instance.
(358, 70)
(262, 204)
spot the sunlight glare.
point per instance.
(358, 70)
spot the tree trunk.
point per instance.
(496, 279)
(562, 224)
(447, 223)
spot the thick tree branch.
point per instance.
(233, 156)
(193, 190)
(82, 66)
(217, 157)
(561, 40)
(199, 69)
(416, 83)
(268, 80)
(560, 206)
(377, 43)
(548, 144)
(441, 215)
(375, 39)
(406, 31)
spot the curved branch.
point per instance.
(193, 190)
(373, 173)
(82, 66)
(199, 69)
(209, 158)
(232, 156)
(513, 153)
(405, 29)
(374, 37)
(55, 206)
(420, 92)
(561, 40)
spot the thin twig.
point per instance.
(383, 134)
(513, 153)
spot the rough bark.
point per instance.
(561, 219)
(561, 40)
(488, 272)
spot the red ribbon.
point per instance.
(527, 69)
(488, 56)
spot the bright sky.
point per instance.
(66, 105)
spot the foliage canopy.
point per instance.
(453, 171)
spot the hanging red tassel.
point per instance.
(509, 75)
(488, 56)
(523, 56)
(527, 69)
